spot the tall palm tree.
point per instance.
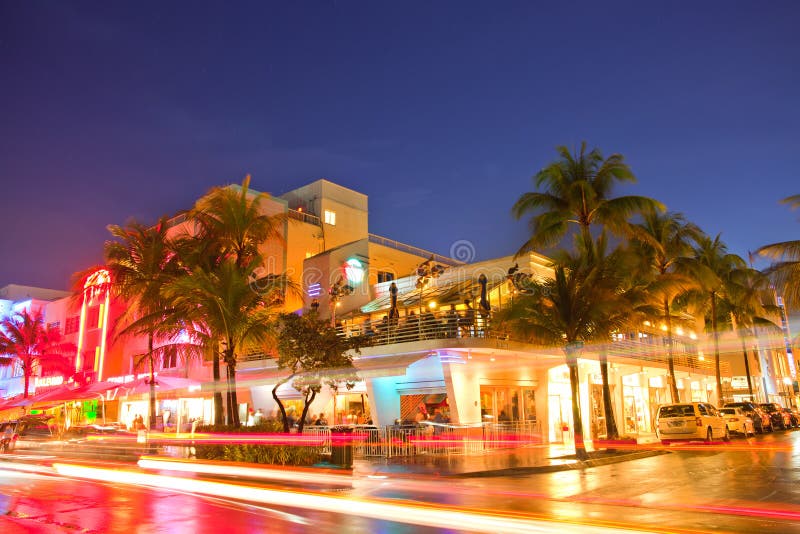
(713, 268)
(228, 316)
(749, 306)
(577, 190)
(25, 339)
(630, 304)
(664, 242)
(785, 271)
(230, 228)
(140, 261)
(565, 311)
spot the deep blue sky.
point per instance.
(439, 111)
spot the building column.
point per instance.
(384, 400)
(463, 393)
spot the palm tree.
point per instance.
(748, 303)
(566, 311)
(664, 242)
(140, 261)
(629, 305)
(713, 268)
(229, 316)
(785, 271)
(577, 190)
(24, 338)
(230, 227)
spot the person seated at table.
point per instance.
(467, 320)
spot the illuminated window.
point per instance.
(72, 325)
(385, 276)
(330, 217)
(93, 317)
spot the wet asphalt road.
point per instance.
(744, 486)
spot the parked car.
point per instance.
(738, 421)
(690, 421)
(761, 420)
(8, 436)
(775, 412)
(794, 417)
(35, 431)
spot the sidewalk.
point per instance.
(502, 462)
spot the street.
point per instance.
(743, 486)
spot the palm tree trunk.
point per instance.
(234, 400)
(670, 360)
(747, 369)
(217, 392)
(716, 346)
(27, 373)
(608, 408)
(151, 360)
(577, 423)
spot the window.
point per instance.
(72, 325)
(385, 276)
(330, 217)
(54, 325)
(93, 317)
(170, 358)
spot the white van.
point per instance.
(690, 421)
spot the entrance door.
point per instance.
(560, 418)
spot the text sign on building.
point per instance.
(46, 381)
(739, 382)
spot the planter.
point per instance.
(613, 443)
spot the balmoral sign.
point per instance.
(46, 381)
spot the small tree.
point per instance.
(313, 354)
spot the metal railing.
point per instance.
(305, 217)
(428, 325)
(397, 245)
(431, 438)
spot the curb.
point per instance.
(536, 469)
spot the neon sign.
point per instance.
(354, 271)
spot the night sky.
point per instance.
(439, 111)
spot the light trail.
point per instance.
(446, 517)
(314, 475)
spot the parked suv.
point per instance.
(690, 421)
(775, 412)
(761, 421)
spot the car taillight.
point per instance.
(699, 421)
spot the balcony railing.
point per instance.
(397, 245)
(305, 217)
(462, 324)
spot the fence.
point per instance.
(432, 438)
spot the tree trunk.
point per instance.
(306, 406)
(280, 405)
(233, 403)
(670, 360)
(608, 407)
(577, 423)
(152, 362)
(747, 370)
(217, 390)
(26, 371)
(716, 346)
